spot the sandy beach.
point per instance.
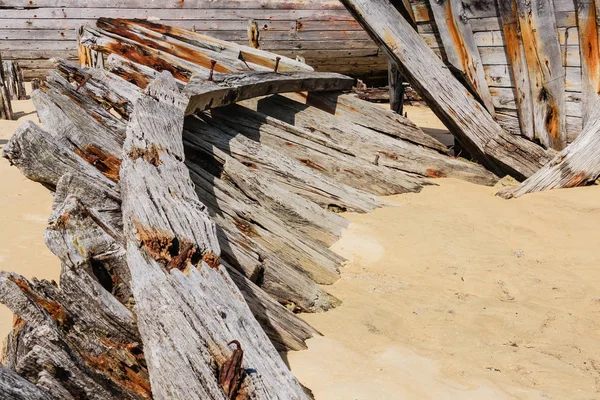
(452, 293)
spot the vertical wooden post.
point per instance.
(13, 79)
(1, 70)
(5, 106)
(590, 55)
(395, 81)
(35, 84)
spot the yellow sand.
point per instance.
(453, 294)
(457, 294)
(24, 210)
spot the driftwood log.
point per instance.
(473, 126)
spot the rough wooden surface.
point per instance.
(474, 127)
(231, 88)
(165, 279)
(14, 80)
(590, 55)
(460, 48)
(6, 112)
(14, 387)
(577, 165)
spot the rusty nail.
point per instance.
(277, 64)
(212, 69)
(82, 84)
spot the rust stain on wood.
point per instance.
(184, 257)
(578, 180)
(432, 173)
(124, 364)
(55, 310)
(460, 46)
(231, 373)
(311, 164)
(211, 259)
(126, 29)
(106, 163)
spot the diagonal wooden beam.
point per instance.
(460, 48)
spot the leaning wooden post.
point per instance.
(471, 123)
(6, 112)
(1, 70)
(396, 83)
(13, 77)
(199, 334)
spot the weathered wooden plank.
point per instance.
(6, 111)
(183, 348)
(13, 78)
(245, 53)
(545, 68)
(590, 55)
(231, 88)
(460, 48)
(167, 14)
(453, 104)
(396, 90)
(577, 165)
(515, 50)
(13, 386)
(176, 4)
(355, 140)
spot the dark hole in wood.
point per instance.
(102, 275)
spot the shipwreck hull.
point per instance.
(320, 31)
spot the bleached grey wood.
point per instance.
(6, 112)
(195, 325)
(288, 173)
(360, 142)
(14, 387)
(105, 88)
(41, 158)
(14, 80)
(279, 272)
(577, 165)
(356, 172)
(474, 127)
(231, 88)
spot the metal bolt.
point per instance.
(277, 64)
(212, 69)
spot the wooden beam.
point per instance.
(231, 88)
(590, 54)
(474, 127)
(460, 48)
(537, 25)
(518, 64)
(13, 386)
(188, 308)
(396, 84)
(577, 165)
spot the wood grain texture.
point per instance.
(460, 47)
(453, 104)
(231, 88)
(13, 386)
(590, 55)
(166, 282)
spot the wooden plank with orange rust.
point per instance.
(518, 64)
(543, 56)
(590, 54)
(460, 48)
